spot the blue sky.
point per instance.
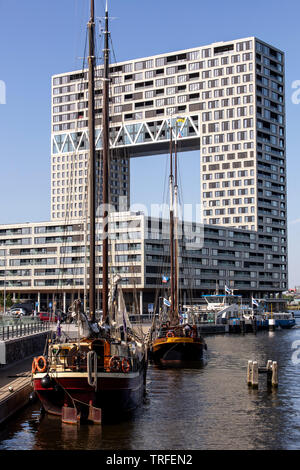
(41, 38)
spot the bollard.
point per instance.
(253, 372)
(249, 373)
(271, 324)
(254, 375)
(269, 373)
(274, 374)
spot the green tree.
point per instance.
(8, 300)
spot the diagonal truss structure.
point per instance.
(141, 137)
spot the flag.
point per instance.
(165, 279)
(167, 303)
(255, 302)
(227, 290)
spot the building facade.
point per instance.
(231, 98)
(47, 261)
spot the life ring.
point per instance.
(170, 334)
(126, 366)
(34, 365)
(115, 364)
(41, 367)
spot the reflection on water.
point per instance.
(206, 408)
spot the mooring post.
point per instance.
(254, 375)
(253, 372)
(269, 373)
(272, 324)
(274, 374)
(249, 372)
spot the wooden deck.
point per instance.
(15, 388)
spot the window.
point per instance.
(206, 74)
(149, 74)
(206, 53)
(235, 58)
(170, 70)
(149, 64)
(139, 66)
(182, 99)
(127, 68)
(171, 91)
(182, 78)
(160, 82)
(170, 80)
(160, 61)
(160, 102)
(194, 86)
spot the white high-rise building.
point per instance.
(230, 98)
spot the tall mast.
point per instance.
(91, 115)
(105, 140)
(171, 225)
(176, 271)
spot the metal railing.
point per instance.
(20, 330)
(78, 362)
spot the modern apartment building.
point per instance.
(47, 261)
(230, 98)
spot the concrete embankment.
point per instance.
(16, 349)
(15, 372)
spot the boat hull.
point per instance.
(177, 352)
(285, 323)
(116, 394)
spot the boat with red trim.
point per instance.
(172, 342)
(102, 374)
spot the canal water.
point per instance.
(187, 409)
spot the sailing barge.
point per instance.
(175, 344)
(77, 381)
(103, 374)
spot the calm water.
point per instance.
(208, 408)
